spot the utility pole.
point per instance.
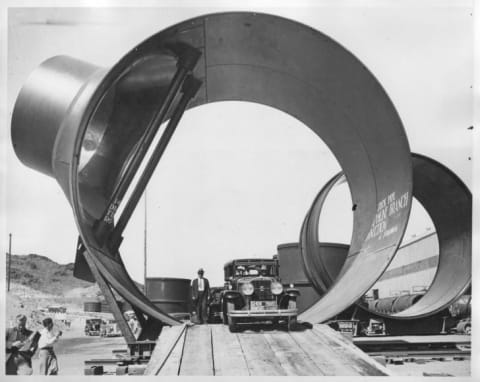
(9, 260)
(145, 244)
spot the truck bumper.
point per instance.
(272, 313)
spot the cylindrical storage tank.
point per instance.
(406, 301)
(308, 296)
(123, 305)
(291, 272)
(105, 307)
(291, 269)
(171, 295)
(92, 306)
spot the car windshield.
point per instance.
(254, 270)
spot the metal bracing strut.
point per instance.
(186, 64)
(189, 89)
(109, 297)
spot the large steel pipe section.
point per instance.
(317, 268)
(449, 204)
(244, 57)
(292, 269)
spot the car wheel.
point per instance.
(228, 307)
(224, 313)
(468, 329)
(232, 324)
(291, 323)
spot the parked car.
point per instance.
(110, 328)
(92, 326)
(254, 293)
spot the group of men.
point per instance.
(22, 343)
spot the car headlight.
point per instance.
(276, 287)
(247, 289)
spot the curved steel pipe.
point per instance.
(315, 263)
(245, 57)
(449, 204)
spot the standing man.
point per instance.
(200, 296)
(21, 344)
(48, 359)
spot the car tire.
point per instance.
(232, 325)
(225, 313)
(291, 323)
(228, 307)
(467, 329)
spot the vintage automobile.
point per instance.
(92, 326)
(110, 328)
(254, 293)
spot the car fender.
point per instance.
(232, 295)
(292, 292)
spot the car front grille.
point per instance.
(262, 290)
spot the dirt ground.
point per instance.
(74, 347)
(72, 352)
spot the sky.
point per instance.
(238, 178)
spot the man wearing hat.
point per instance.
(21, 344)
(200, 296)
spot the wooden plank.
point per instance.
(322, 355)
(197, 356)
(166, 342)
(228, 357)
(259, 355)
(359, 360)
(294, 360)
(173, 362)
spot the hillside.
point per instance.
(44, 275)
(38, 282)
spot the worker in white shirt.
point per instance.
(133, 323)
(200, 296)
(48, 359)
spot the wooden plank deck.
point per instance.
(213, 350)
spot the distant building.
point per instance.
(411, 271)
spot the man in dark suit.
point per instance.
(200, 296)
(21, 344)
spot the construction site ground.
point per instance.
(74, 348)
